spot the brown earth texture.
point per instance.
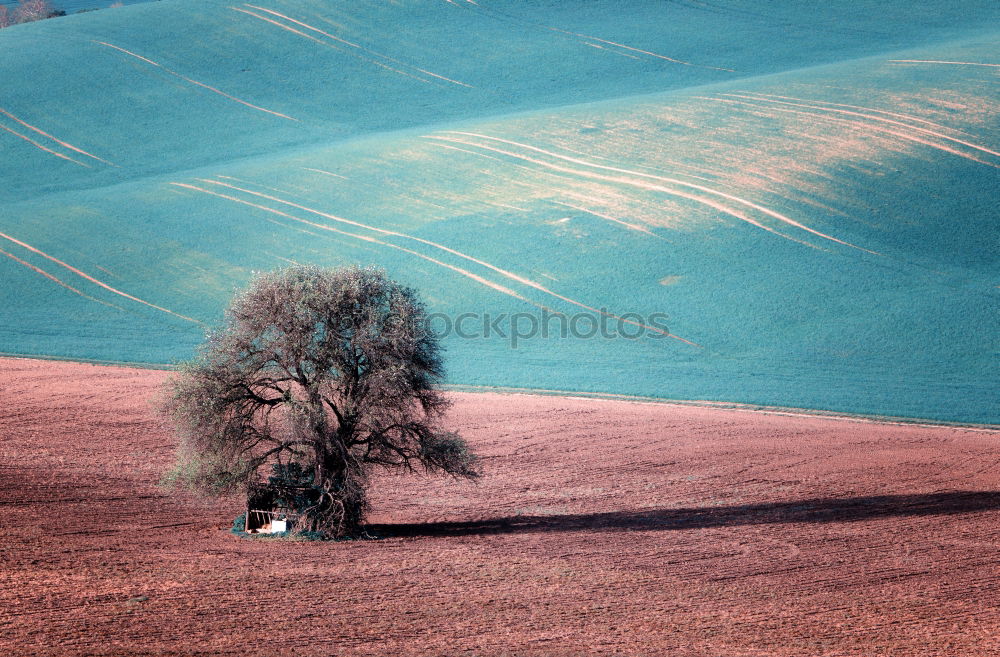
(600, 527)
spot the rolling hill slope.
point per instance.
(807, 194)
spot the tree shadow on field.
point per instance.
(819, 510)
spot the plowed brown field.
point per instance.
(600, 528)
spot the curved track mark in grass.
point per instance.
(358, 46)
(898, 115)
(365, 238)
(858, 125)
(466, 150)
(937, 61)
(325, 43)
(384, 231)
(853, 123)
(56, 140)
(248, 182)
(675, 163)
(52, 278)
(306, 25)
(508, 274)
(640, 184)
(44, 148)
(283, 259)
(639, 50)
(327, 173)
(630, 226)
(285, 27)
(925, 131)
(708, 190)
(195, 82)
(564, 147)
(658, 188)
(505, 206)
(588, 37)
(616, 52)
(674, 181)
(94, 280)
(328, 44)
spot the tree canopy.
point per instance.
(330, 370)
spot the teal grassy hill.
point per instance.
(808, 194)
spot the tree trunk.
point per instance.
(342, 509)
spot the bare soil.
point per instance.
(601, 527)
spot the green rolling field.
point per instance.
(808, 194)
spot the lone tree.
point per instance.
(324, 374)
